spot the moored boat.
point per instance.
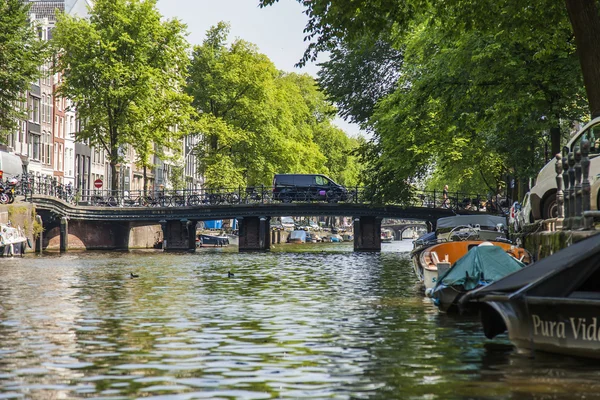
(12, 241)
(436, 259)
(334, 238)
(298, 236)
(552, 305)
(482, 265)
(212, 240)
(474, 228)
(387, 236)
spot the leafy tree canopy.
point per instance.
(21, 54)
(255, 120)
(124, 68)
(472, 98)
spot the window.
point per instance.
(593, 135)
(60, 157)
(56, 159)
(46, 156)
(34, 110)
(70, 162)
(321, 181)
(43, 108)
(35, 147)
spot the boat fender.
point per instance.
(29, 243)
(429, 293)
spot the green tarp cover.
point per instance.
(482, 264)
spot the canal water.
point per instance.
(303, 321)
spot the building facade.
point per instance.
(47, 140)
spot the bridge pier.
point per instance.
(254, 233)
(39, 242)
(64, 234)
(367, 234)
(179, 235)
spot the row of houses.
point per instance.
(46, 140)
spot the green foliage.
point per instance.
(124, 68)
(358, 74)
(21, 54)
(176, 178)
(480, 85)
(255, 120)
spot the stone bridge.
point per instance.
(400, 227)
(117, 227)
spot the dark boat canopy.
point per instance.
(480, 219)
(560, 274)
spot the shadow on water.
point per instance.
(315, 321)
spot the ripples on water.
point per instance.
(309, 321)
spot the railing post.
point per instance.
(567, 185)
(578, 204)
(560, 198)
(586, 191)
(571, 187)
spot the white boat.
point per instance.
(472, 228)
(12, 241)
(387, 236)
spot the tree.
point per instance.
(330, 20)
(358, 74)
(21, 54)
(124, 69)
(472, 95)
(256, 121)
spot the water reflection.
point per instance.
(314, 321)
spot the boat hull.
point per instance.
(13, 249)
(429, 278)
(12, 241)
(216, 241)
(556, 325)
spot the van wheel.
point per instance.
(285, 198)
(550, 207)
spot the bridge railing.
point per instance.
(457, 201)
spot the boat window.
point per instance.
(593, 135)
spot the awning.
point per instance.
(479, 219)
(10, 165)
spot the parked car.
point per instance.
(543, 193)
(288, 223)
(307, 187)
(525, 215)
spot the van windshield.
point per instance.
(593, 135)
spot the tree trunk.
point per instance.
(586, 27)
(555, 140)
(114, 158)
(145, 181)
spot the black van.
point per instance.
(307, 187)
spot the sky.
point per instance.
(276, 30)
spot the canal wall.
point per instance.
(541, 242)
(21, 215)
